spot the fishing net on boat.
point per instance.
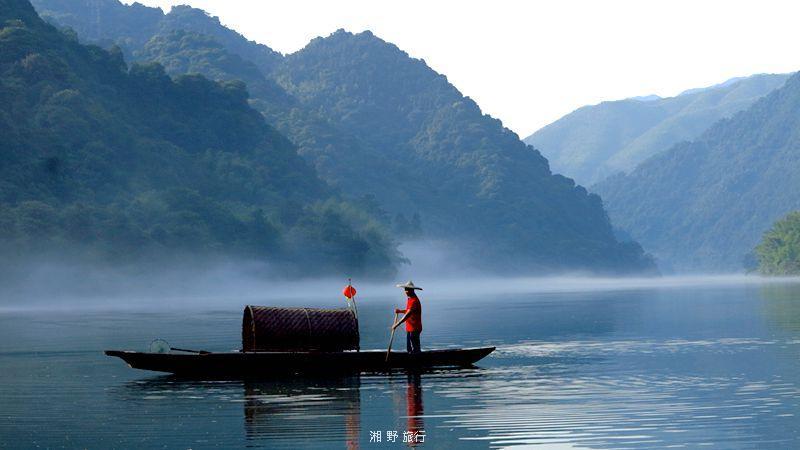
(266, 328)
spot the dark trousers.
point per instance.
(412, 342)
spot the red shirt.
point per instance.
(414, 321)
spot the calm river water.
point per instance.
(651, 366)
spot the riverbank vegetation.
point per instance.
(778, 252)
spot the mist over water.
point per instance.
(226, 283)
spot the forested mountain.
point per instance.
(703, 205)
(121, 165)
(391, 132)
(187, 40)
(468, 176)
(598, 141)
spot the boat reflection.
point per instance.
(415, 410)
(323, 409)
(329, 410)
(321, 412)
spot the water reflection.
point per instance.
(409, 405)
(331, 407)
(689, 400)
(317, 411)
(414, 407)
(782, 306)
(276, 412)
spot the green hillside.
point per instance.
(122, 165)
(703, 205)
(387, 130)
(450, 161)
(778, 252)
(187, 40)
(598, 141)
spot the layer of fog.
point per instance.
(224, 285)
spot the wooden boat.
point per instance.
(294, 340)
(256, 364)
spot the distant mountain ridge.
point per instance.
(130, 26)
(703, 205)
(598, 141)
(726, 83)
(386, 129)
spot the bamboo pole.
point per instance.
(391, 338)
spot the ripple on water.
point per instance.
(600, 405)
(661, 347)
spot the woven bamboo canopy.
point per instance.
(266, 328)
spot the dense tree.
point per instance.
(778, 252)
(122, 164)
(469, 178)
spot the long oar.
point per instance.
(199, 352)
(391, 338)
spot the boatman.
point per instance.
(412, 316)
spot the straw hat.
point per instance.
(409, 285)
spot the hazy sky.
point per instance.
(530, 62)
